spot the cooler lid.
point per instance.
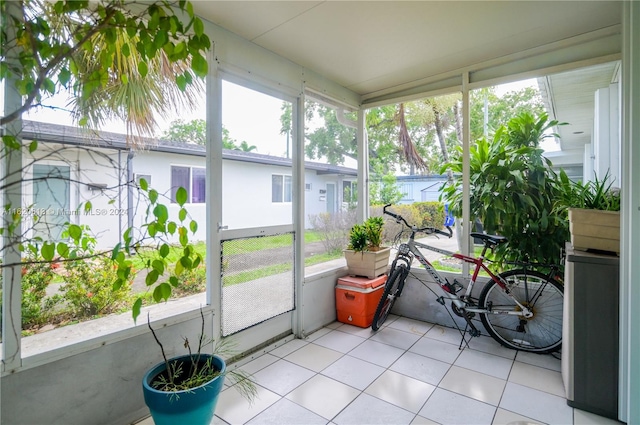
(362, 282)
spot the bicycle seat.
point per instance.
(491, 239)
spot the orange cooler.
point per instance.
(357, 299)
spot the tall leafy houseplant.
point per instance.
(513, 190)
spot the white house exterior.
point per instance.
(80, 166)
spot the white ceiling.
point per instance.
(368, 46)
(371, 47)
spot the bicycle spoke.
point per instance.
(540, 333)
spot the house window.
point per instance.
(349, 193)
(192, 179)
(146, 177)
(198, 185)
(280, 188)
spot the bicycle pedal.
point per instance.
(440, 300)
(457, 286)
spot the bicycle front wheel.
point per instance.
(540, 333)
(392, 289)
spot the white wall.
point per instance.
(246, 190)
(101, 166)
(606, 135)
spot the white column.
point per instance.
(466, 170)
(11, 179)
(298, 213)
(214, 189)
(363, 168)
(629, 394)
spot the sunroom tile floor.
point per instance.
(409, 372)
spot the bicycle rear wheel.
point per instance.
(541, 333)
(392, 289)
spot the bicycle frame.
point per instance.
(450, 291)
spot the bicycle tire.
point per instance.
(392, 290)
(541, 333)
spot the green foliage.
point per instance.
(194, 131)
(197, 369)
(384, 190)
(103, 52)
(514, 191)
(366, 236)
(432, 214)
(193, 281)
(358, 238)
(595, 194)
(88, 290)
(501, 108)
(36, 305)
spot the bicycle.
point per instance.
(521, 309)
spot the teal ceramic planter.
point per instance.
(194, 407)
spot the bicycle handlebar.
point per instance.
(399, 219)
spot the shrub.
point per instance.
(391, 228)
(514, 191)
(88, 290)
(334, 229)
(193, 281)
(432, 213)
(36, 305)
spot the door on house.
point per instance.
(331, 198)
(51, 199)
(257, 297)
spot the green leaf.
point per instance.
(117, 284)
(186, 262)
(162, 292)
(181, 82)
(144, 185)
(87, 206)
(182, 214)
(115, 251)
(179, 268)
(181, 196)
(174, 281)
(135, 310)
(199, 65)
(153, 196)
(161, 212)
(198, 26)
(75, 232)
(164, 250)
(143, 69)
(33, 146)
(48, 250)
(171, 227)
(158, 266)
(152, 277)
(62, 249)
(193, 226)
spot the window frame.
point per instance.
(189, 189)
(286, 186)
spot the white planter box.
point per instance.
(594, 229)
(367, 263)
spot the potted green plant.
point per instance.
(594, 214)
(185, 389)
(365, 256)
